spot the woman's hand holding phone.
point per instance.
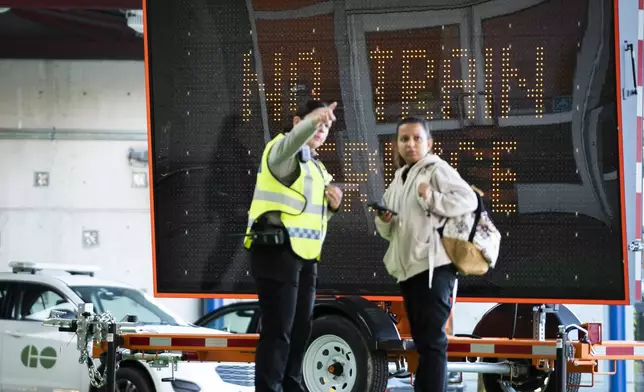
(385, 216)
(384, 213)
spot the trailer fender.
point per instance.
(376, 326)
(498, 322)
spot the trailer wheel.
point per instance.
(339, 359)
(505, 320)
(536, 381)
(129, 379)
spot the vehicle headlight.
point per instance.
(184, 386)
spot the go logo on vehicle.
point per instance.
(31, 358)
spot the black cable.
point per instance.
(514, 323)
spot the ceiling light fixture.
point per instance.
(135, 20)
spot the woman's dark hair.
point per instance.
(303, 109)
(399, 161)
(308, 106)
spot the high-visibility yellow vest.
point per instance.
(303, 205)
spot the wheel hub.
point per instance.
(336, 369)
(329, 364)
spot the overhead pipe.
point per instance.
(67, 4)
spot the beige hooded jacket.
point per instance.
(414, 243)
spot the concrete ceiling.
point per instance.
(69, 29)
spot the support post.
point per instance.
(562, 361)
(110, 371)
(211, 304)
(617, 331)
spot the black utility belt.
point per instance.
(269, 236)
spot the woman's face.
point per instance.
(413, 143)
(320, 135)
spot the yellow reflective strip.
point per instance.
(307, 185)
(280, 198)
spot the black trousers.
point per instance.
(428, 310)
(286, 286)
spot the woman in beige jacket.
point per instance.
(424, 192)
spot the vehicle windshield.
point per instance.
(121, 301)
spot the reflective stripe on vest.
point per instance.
(299, 232)
(302, 205)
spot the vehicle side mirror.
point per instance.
(130, 318)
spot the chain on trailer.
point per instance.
(90, 327)
(96, 330)
(114, 341)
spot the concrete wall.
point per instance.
(76, 120)
(87, 95)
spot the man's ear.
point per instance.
(430, 144)
(296, 119)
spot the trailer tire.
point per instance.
(127, 377)
(498, 322)
(130, 378)
(336, 340)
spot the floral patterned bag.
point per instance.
(471, 240)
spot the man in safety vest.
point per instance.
(287, 225)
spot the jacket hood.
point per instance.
(427, 160)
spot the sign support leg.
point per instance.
(617, 331)
(562, 362)
(110, 373)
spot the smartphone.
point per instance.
(381, 208)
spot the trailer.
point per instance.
(537, 102)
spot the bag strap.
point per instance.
(477, 214)
(432, 168)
